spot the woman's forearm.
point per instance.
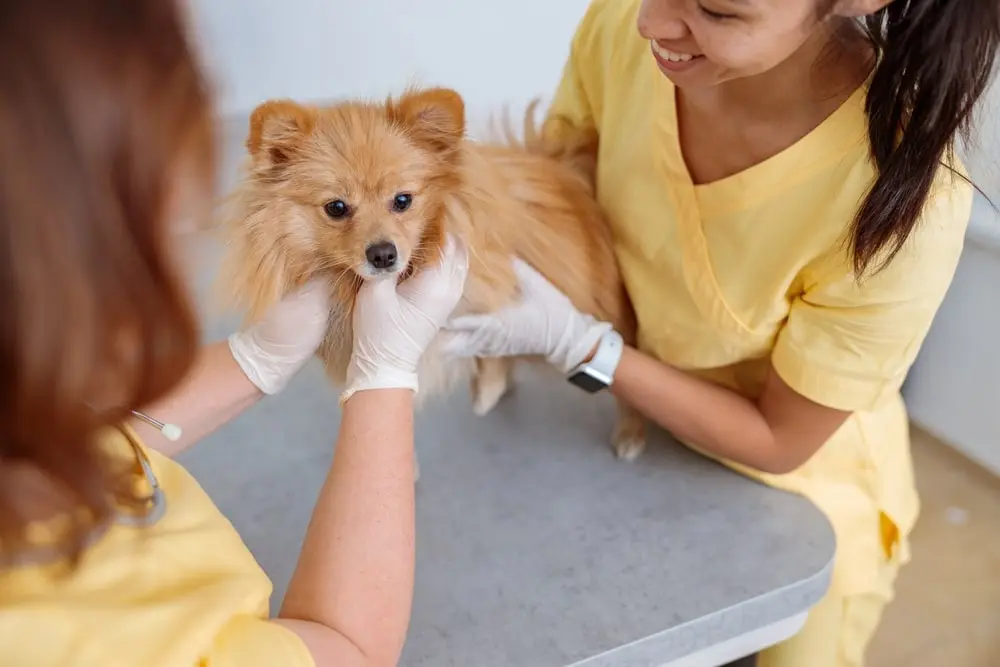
(355, 572)
(711, 417)
(214, 392)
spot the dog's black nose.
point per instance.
(381, 255)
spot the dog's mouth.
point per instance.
(366, 273)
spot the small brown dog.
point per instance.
(358, 191)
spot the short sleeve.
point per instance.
(574, 101)
(849, 344)
(248, 641)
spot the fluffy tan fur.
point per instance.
(531, 198)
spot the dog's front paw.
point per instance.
(487, 395)
(490, 383)
(629, 439)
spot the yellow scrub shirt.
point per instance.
(182, 592)
(753, 269)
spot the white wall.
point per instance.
(983, 156)
(953, 389)
(494, 53)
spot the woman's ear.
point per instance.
(276, 128)
(858, 8)
(435, 117)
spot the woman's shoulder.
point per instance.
(152, 581)
(951, 194)
(924, 264)
(607, 29)
(946, 208)
(941, 228)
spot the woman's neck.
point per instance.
(728, 128)
(823, 72)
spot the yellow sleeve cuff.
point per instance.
(833, 387)
(247, 641)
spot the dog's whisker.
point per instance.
(341, 278)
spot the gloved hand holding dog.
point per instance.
(393, 325)
(273, 350)
(543, 322)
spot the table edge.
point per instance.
(640, 651)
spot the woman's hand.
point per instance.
(394, 324)
(230, 376)
(543, 323)
(273, 350)
(777, 433)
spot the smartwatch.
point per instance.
(598, 373)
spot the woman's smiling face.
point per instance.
(704, 42)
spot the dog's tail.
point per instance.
(556, 138)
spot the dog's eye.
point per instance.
(336, 209)
(401, 202)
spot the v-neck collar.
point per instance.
(838, 134)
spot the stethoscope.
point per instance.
(155, 503)
(171, 432)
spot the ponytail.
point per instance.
(935, 60)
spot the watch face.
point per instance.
(587, 382)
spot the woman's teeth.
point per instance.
(671, 55)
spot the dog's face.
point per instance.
(357, 190)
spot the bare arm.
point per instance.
(216, 391)
(776, 433)
(230, 376)
(351, 593)
(350, 597)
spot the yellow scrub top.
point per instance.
(183, 591)
(753, 269)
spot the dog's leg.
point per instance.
(490, 382)
(629, 439)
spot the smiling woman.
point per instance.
(777, 316)
(727, 39)
(674, 61)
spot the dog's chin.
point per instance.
(369, 274)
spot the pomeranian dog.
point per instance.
(361, 191)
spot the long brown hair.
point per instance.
(101, 105)
(935, 60)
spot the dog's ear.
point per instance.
(434, 117)
(256, 269)
(276, 128)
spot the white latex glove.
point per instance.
(394, 323)
(273, 349)
(543, 323)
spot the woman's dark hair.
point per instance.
(102, 109)
(935, 60)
